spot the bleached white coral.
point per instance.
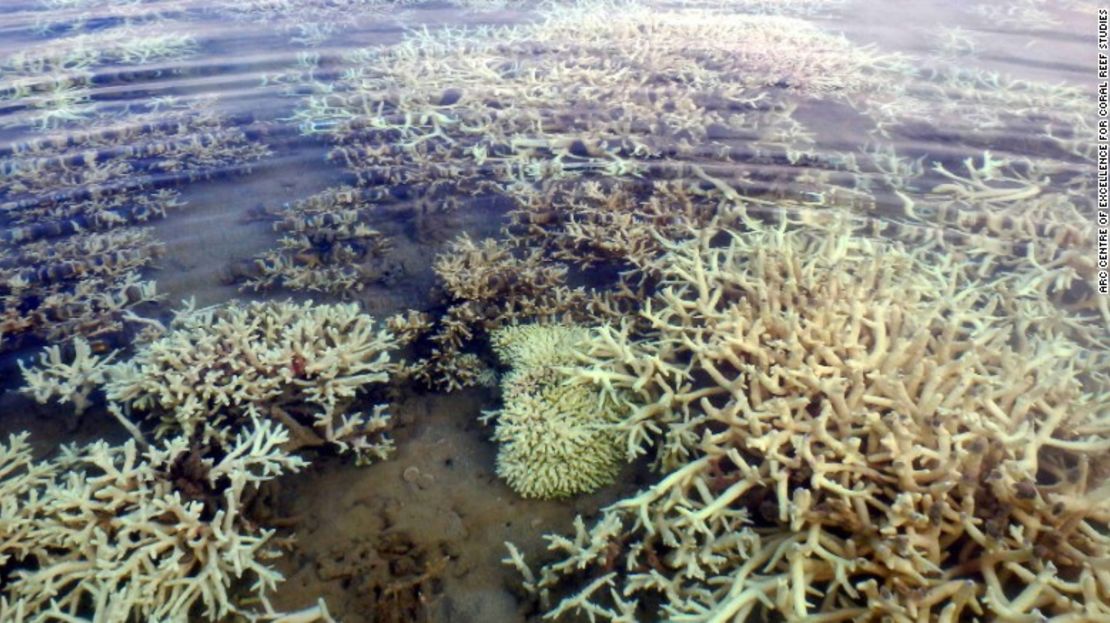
(557, 440)
(301, 364)
(68, 381)
(537, 346)
(131, 535)
(848, 431)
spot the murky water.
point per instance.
(458, 167)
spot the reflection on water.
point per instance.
(626, 311)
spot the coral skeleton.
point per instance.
(68, 381)
(69, 264)
(489, 285)
(328, 246)
(77, 286)
(592, 90)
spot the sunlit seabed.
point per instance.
(484, 310)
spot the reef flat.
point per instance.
(491, 310)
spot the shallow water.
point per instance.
(928, 124)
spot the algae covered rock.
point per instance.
(557, 439)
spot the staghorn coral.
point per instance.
(215, 368)
(593, 90)
(52, 83)
(556, 439)
(848, 432)
(489, 285)
(68, 381)
(30, 223)
(985, 109)
(154, 534)
(328, 246)
(77, 286)
(68, 265)
(302, 364)
(181, 141)
(607, 223)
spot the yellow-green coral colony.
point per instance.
(556, 439)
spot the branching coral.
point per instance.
(557, 439)
(95, 166)
(847, 432)
(489, 285)
(68, 381)
(130, 534)
(216, 368)
(52, 83)
(82, 285)
(594, 90)
(64, 270)
(328, 246)
(597, 222)
(302, 364)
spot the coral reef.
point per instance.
(846, 431)
(81, 285)
(67, 266)
(216, 368)
(556, 439)
(67, 379)
(118, 172)
(489, 285)
(128, 533)
(611, 223)
(328, 246)
(979, 106)
(51, 83)
(593, 90)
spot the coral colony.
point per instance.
(892, 451)
(861, 385)
(217, 368)
(154, 534)
(557, 439)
